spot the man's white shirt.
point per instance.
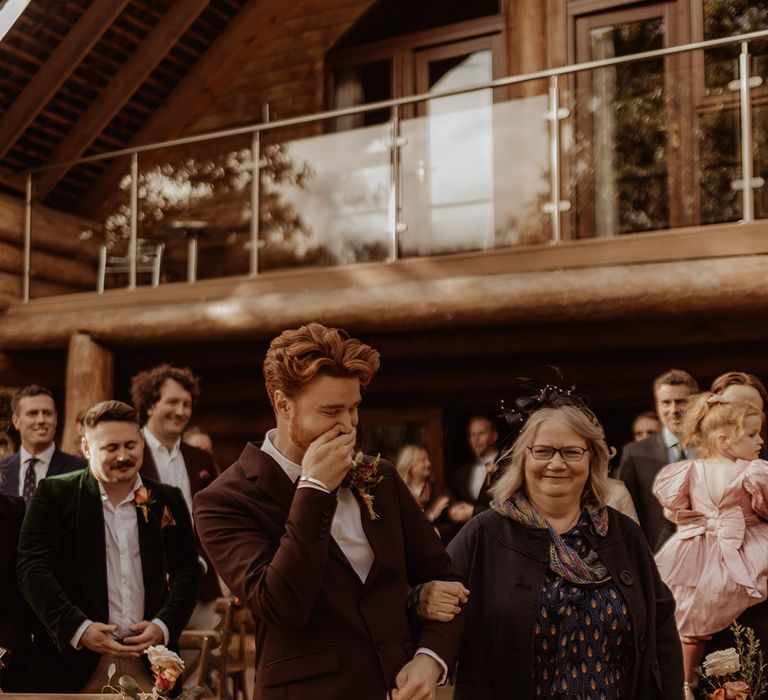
(125, 579)
(171, 468)
(346, 527)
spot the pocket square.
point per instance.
(167, 520)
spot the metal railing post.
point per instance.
(27, 238)
(747, 196)
(255, 197)
(134, 237)
(555, 205)
(397, 185)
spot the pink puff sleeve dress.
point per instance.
(716, 564)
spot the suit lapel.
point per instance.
(91, 547)
(661, 453)
(151, 548)
(148, 467)
(11, 485)
(376, 536)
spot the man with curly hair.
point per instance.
(323, 544)
(164, 396)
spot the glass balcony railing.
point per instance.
(648, 141)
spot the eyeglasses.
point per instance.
(569, 453)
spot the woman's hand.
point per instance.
(437, 508)
(440, 601)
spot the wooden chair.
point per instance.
(206, 641)
(233, 632)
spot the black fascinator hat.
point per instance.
(540, 395)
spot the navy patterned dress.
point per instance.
(583, 636)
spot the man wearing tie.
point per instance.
(473, 480)
(34, 417)
(642, 460)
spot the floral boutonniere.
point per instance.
(143, 498)
(363, 478)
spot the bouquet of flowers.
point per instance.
(735, 673)
(166, 668)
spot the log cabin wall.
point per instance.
(62, 260)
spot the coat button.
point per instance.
(326, 512)
(626, 578)
(380, 646)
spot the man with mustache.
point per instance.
(323, 545)
(35, 418)
(107, 561)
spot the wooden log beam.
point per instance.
(207, 80)
(90, 378)
(47, 266)
(52, 230)
(55, 71)
(148, 54)
(15, 181)
(252, 310)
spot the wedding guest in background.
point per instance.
(35, 418)
(323, 546)
(472, 480)
(164, 397)
(645, 424)
(107, 561)
(565, 599)
(415, 469)
(745, 387)
(641, 461)
(197, 438)
(15, 620)
(715, 572)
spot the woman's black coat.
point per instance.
(505, 563)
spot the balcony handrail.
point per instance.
(409, 100)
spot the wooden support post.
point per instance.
(90, 378)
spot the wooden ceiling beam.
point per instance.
(208, 79)
(148, 54)
(59, 66)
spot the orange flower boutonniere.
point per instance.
(363, 478)
(143, 498)
(167, 520)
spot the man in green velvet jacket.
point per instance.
(107, 560)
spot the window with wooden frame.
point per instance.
(448, 162)
(627, 169)
(716, 114)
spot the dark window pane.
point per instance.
(359, 85)
(389, 18)
(629, 131)
(723, 18)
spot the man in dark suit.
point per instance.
(164, 397)
(322, 545)
(34, 417)
(15, 620)
(642, 460)
(473, 480)
(107, 561)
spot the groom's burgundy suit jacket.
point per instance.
(321, 631)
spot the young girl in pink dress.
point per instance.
(716, 564)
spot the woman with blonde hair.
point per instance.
(716, 562)
(565, 597)
(415, 469)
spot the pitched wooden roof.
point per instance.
(81, 78)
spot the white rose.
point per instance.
(720, 663)
(162, 657)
